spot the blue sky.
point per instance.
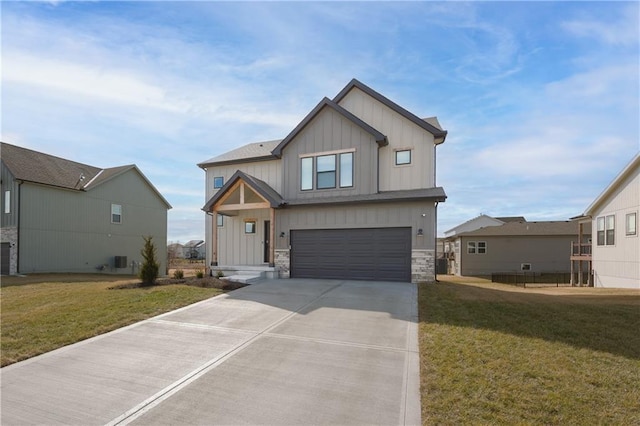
(541, 99)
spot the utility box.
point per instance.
(120, 261)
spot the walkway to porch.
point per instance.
(245, 273)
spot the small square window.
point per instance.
(403, 157)
(218, 182)
(250, 227)
(116, 213)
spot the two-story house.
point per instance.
(59, 215)
(349, 193)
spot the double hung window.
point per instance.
(606, 230)
(326, 171)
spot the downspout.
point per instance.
(435, 222)
(18, 226)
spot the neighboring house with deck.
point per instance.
(614, 254)
(58, 215)
(349, 193)
(514, 246)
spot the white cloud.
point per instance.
(617, 30)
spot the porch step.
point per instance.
(246, 279)
(246, 273)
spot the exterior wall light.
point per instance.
(282, 234)
(420, 232)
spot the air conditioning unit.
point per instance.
(120, 261)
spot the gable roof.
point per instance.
(327, 103)
(426, 124)
(256, 151)
(261, 187)
(545, 228)
(630, 168)
(36, 167)
(475, 219)
(33, 166)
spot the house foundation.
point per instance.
(423, 266)
(283, 262)
(10, 235)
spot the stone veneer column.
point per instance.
(422, 266)
(10, 235)
(283, 262)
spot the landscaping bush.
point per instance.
(150, 265)
(199, 273)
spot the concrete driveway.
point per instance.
(277, 352)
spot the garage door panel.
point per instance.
(382, 254)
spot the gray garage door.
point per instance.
(379, 254)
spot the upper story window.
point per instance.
(116, 213)
(7, 201)
(218, 182)
(631, 222)
(606, 229)
(403, 157)
(326, 171)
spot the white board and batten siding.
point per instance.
(618, 265)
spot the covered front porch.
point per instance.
(243, 225)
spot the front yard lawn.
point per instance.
(495, 354)
(38, 317)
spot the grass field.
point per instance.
(41, 313)
(497, 354)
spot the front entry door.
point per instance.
(267, 240)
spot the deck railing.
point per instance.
(580, 249)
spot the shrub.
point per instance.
(178, 274)
(219, 274)
(199, 273)
(150, 266)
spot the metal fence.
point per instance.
(524, 278)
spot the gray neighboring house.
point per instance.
(349, 193)
(58, 215)
(194, 249)
(514, 246)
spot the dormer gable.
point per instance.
(426, 124)
(327, 103)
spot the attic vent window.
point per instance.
(116, 213)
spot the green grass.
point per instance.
(40, 317)
(502, 356)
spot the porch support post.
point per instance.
(272, 232)
(214, 238)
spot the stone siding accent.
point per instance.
(283, 262)
(422, 266)
(10, 235)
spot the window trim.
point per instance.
(119, 214)
(255, 226)
(627, 229)
(215, 178)
(398, 151)
(606, 230)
